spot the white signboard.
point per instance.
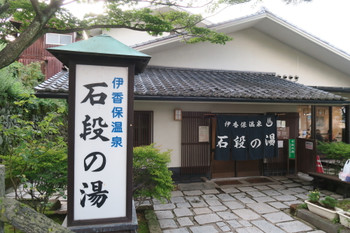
(309, 145)
(100, 154)
(203, 134)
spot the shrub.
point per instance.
(329, 202)
(314, 196)
(151, 176)
(335, 150)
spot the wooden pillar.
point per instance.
(347, 123)
(313, 122)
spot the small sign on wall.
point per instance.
(309, 145)
(203, 134)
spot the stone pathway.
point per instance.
(256, 208)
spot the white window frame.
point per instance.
(56, 39)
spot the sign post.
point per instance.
(291, 149)
(101, 80)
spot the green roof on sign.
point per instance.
(101, 46)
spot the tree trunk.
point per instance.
(26, 219)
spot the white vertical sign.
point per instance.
(100, 151)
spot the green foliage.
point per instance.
(344, 205)
(302, 206)
(314, 196)
(335, 150)
(151, 175)
(32, 136)
(329, 202)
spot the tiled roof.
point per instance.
(165, 83)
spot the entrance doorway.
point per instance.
(230, 168)
(287, 129)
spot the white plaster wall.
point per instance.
(167, 132)
(129, 37)
(252, 50)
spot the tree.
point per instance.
(32, 136)
(27, 20)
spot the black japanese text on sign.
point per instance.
(246, 137)
(100, 142)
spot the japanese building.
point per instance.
(273, 80)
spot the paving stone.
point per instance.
(185, 221)
(308, 187)
(210, 191)
(263, 199)
(193, 193)
(247, 189)
(209, 197)
(202, 210)
(213, 202)
(256, 194)
(294, 226)
(207, 218)
(227, 215)
(144, 203)
(183, 204)
(267, 226)
(223, 227)
(337, 196)
(218, 208)
(193, 198)
(286, 181)
(230, 190)
(176, 194)
(164, 206)
(245, 223)
(277, 186)
(302, 196)
(278, 205)
(262, 187)
(197, 204)
(317, 231)
(271, 192)
(225, 197)
(279, 178)
(164, 214)
(246, 200)
(204, 229)
(248, 230)
(167, 223)
(298, 190)
(179, 230)
(159, 202)
(277, 217)
(182, 212)
(234, 223)
(292, 185)
(296, 202)
(262, 208)
(177, 200)
(246, 214)
(233, 205)
(288, 192)
(285, 198)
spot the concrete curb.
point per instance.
(321, 223)
(153, 224)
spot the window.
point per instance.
(58, 39)
(143, 128)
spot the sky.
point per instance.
(329, 20)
